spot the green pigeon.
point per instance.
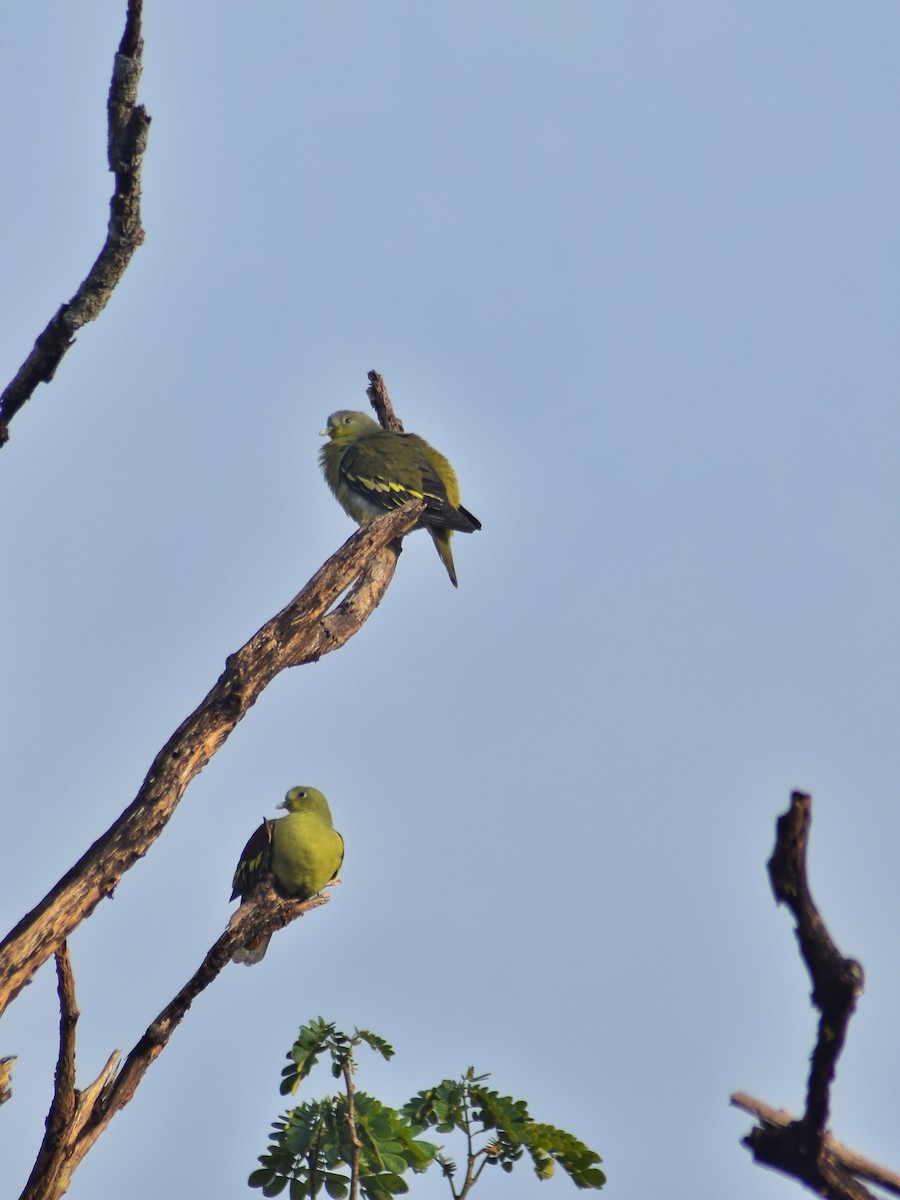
(302, 850)
(372, 470)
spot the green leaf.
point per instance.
(376, 1043)
(380, 1187)
(299, 1189)
(275, 1186)
(444, 1107)
(575, 1158)
(302, 1128)
(259, 1178)
(503, 1113)
(394, 1184)
(592, 1178)
(544, 1168)
(310, 1143)
(304, 1054)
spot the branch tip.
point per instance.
(126, 141)
(803, 1147)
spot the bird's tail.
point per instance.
(441, 539)
(252, 952)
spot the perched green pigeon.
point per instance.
(372, 470)
(302, 850)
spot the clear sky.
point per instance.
(634, 268)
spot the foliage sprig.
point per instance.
(352, 1145)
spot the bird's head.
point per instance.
(306, 799)
(345, 426)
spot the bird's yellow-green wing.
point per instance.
(387, 470)
(372, 470)
(254, 860)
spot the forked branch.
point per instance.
(803, 1147)
(78, 1118)
(844, 1157)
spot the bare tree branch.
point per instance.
(301, 633)
(381, 402)
(64, 1105)
(804, 1148)
(128, 124)
(837, 981)
(77, 1119)
(52, 1179)
(6, 1070)
(852, 1162)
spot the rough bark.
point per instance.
(843, 1157)
(803, 1147)
(128, 125)
(77, 1118)
(301, 633)
(381, 402)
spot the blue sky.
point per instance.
(634, 269)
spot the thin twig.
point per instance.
(128, 125)
(351, 1125)
(471, 1153)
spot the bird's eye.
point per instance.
(348, 420)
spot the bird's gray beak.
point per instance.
(326, 432)
(283, 804)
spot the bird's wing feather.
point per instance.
(366, 468)
(473, 522)
(341, 863)
(254, 860)
(389, 484)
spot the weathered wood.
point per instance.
(78, 1118)
(301, 633)
(803, 1147)
(128, 126)
(843, 1157)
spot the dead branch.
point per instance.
(803, 1147)
(381, 402)
(128, 125)
(846, 1158)
(6, 1070)
(78, 1118)
(301, 633)
(65, 1102)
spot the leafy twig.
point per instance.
(353, 1132)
